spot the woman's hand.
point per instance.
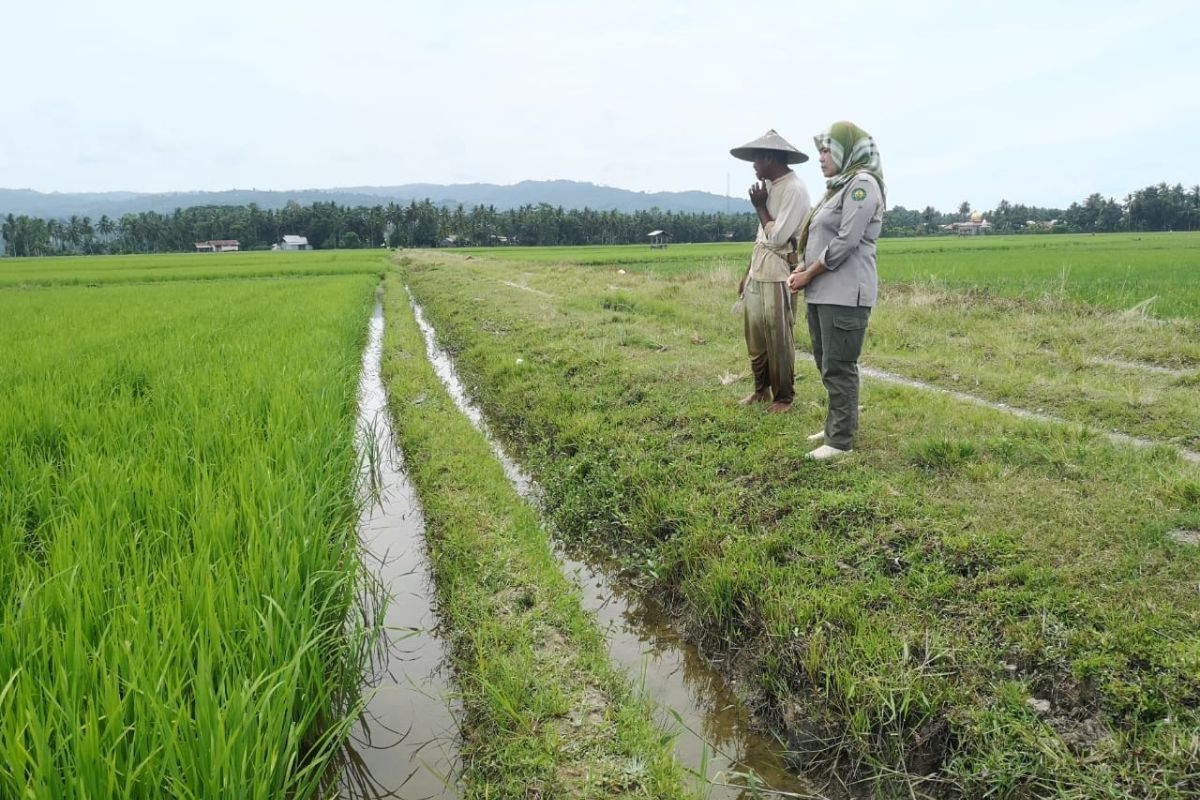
(803, 277)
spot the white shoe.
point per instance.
(819, 436)
(825, 452)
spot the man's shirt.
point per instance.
(788, 205)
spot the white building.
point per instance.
(217, 246)
(294, 243)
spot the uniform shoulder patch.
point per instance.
(859, 194)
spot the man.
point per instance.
(781, 202)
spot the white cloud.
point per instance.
(1033, 102)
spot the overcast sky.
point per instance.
(1036, 102)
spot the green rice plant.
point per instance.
(179, 572)
(99, 270)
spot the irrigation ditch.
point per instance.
(715, 738)
(403, 744)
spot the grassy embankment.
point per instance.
(991, 604)
(1023, 320)
(546, 715)
(179, 581)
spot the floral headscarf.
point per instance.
(853, 151)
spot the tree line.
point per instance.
(425, 224)
(1154, 208)
(329, 225)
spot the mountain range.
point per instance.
(568, 194)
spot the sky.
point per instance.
(1039, 103)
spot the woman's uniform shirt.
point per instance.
(788, 205)
(842, 236)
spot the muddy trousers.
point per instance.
(837, 334)
(770, 316)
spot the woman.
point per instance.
(839, 278)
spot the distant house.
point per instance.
(975, 226)
(658, 238)
(294, 243)
(217, 246)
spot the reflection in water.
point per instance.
(712, 725)
(403, 744)
(444, 367)
(713, 735)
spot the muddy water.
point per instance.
(404, 744)
(714, 729)
(714, 737)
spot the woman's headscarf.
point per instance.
(853, 151)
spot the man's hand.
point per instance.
(758, 195)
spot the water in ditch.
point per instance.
(715, 738)
(404, 744)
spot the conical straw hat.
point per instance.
(769, 141)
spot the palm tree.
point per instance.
(54, 232)
(8, 230)
(105, 228)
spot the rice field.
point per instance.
(974, 604)
(179, 573)
(98, 270)
(184, 608)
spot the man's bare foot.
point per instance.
(757, 397)
(778, 407)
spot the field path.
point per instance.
(1113, 436)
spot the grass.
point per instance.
(1059, 324)
(1112, 370)
(1157, 274)
(179, 580)
(686, 256)
(988, 605)
(545, 713)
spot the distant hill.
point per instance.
(568, 194)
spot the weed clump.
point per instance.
(941, 454)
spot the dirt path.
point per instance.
(1113, 436)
